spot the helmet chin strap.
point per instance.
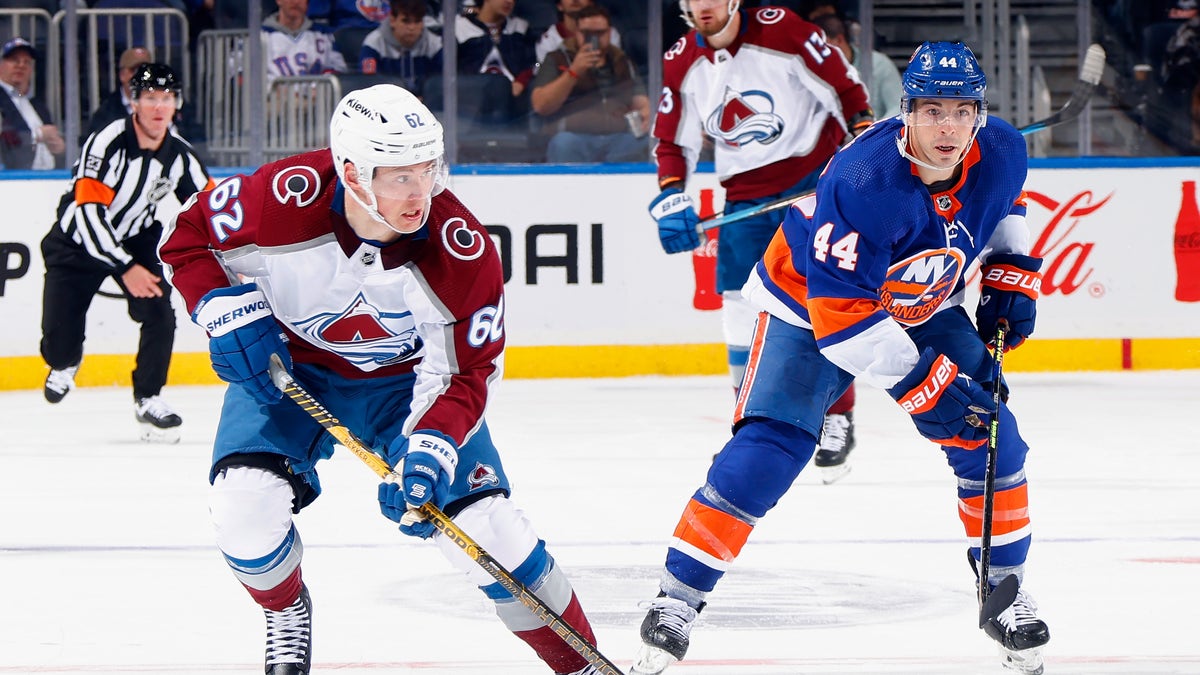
(902, 146)
(728, 22)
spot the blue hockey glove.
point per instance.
(948, 407)
(242, 336)
(677, 220)
(1010, 289)
(427, 471)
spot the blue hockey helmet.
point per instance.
(944, 70)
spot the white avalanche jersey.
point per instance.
(775, 102)
(430, 303)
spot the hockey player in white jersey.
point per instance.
(776, 100)
(384, 296)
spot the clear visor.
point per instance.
(416, 181)
(963, 114)
(160, 98)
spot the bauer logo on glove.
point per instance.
(925, 396)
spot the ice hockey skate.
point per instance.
(59, 383)
(665, 633)
(1020, 635)
(157, 422)
(289, 637)
(837, 440)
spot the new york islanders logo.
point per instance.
(364, 335)
(917, 286)
(375, 10)
(745, 117)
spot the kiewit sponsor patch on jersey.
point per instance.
(917, 286)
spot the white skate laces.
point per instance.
(289, 633)
(59, 383)
(157, 422)
(665, 634)
(837, 440)
(1020, 635)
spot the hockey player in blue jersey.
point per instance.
(865, 280)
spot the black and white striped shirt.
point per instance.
(118, 187)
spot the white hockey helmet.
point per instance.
(385, 126)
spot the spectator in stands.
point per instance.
(294, 45)
(884, 94)
(555, 35)
(404, 47)
(28, 139)
(1181, 72)
(119, 104)
(585, 89)
(339, 14)
(495, 46)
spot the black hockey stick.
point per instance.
(993, 602)
(1089, 77)
(288, 385)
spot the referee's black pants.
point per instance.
(72, 279)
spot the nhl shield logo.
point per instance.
(159, 188)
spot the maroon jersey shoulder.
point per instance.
(291, 198)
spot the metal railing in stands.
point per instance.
(296, 111)
(103, 35)
(34, 26)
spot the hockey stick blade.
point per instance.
(999, 599)
(1089, 77)
(284, 381)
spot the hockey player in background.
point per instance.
(108, 226)
(866, 281)
(385, 297)
(777, 101)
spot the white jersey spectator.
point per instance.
(294, 45)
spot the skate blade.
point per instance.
(148, 433)
(832, 474)
(1025, 661)
(651, 661)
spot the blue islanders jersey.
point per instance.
(875, 251)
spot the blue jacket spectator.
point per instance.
(404, 47)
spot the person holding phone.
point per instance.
(586, 92)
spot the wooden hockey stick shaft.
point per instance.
(292, 389)
(1006, 591)
(1089, 77)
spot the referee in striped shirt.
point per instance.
(108, 226)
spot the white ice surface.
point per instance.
(107, 563)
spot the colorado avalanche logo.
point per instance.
(770, 15)
(365, 336)
(461, 241)
(916, 287)
(299, 183)
(745, 117)
(482, 476)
